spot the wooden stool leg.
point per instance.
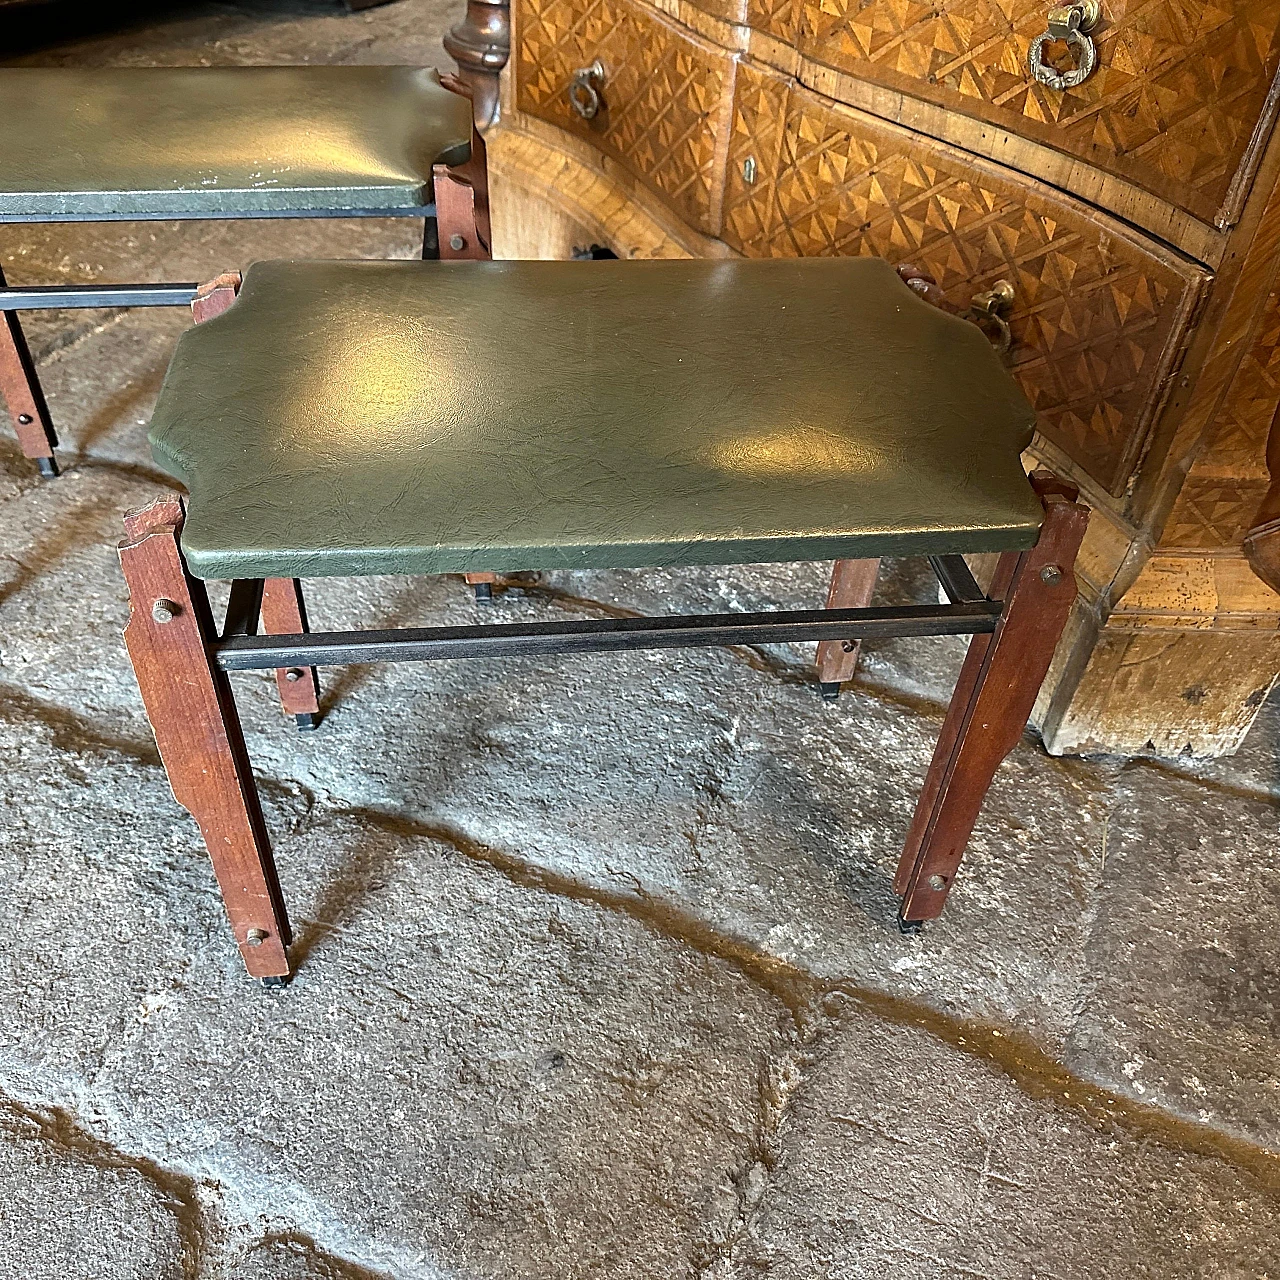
(20, 387)
(463, 229)
(284, 613)
(483, 585)
(997, 688)
(852, 584)
(193, 715)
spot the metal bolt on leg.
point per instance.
(1051, 575)
(25, 419)
(937, 883)
(165, 611)
(255, 937)
(457, 243)
(293, 675)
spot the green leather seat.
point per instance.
(427, 417)
(193, 142)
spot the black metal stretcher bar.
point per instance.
(408, 211)
(240, 652)
(55, 296)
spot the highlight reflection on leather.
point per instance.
(193, 141)
(434, 417)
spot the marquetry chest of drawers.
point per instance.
(1116, 167)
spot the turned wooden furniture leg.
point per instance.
(852, 585)
(193, 714)
(20, 387)
(284, 613)
(993, 699)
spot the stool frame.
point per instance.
(182, 661)
(456, 226)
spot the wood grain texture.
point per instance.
(853, 583)
(284, 613)
(189, 703)
(665, 99)
(21, 392)
(1180, 104)
(1100, 314)
(994, 696)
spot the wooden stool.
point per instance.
(427, 418)
(141, 144)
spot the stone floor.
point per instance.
(598, 970)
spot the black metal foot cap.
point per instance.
(275, 984)
(48, 467)
(830, 690)
(308, 720)
(484, 592)
(910, 927)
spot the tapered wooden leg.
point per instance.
(23, 397)
(189, 704)
(482, 584)
(852, 585)
(997, 688)
(284, 613)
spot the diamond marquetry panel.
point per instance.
(1100, 311)
(1178, 91)
(1220, 496)
(664, 102)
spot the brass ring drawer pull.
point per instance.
(986, 311)
(1071, 23)
(584, 90)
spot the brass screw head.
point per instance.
(1051, 575)
(255, 937)
(456, 243)
(937, 883)
(293, 675)
(165, 611)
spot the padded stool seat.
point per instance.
(187, 142)
(434, 417)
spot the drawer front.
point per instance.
(663, 101)
(1100, 313)
(1178, 103)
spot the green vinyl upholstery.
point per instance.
(433, 417)
(191, 142)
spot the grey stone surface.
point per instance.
(906, 1155)
(573, 934)
(70, 1210)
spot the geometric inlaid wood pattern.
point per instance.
(1220, 496)
(1100, 311)
(665, 101)
(1177, 94)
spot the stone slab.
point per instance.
(72, 1211)
(902, 1154)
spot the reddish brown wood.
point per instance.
(481, 44)
(852, 585)
(20, 387)
(284, 613)
(462, 206)
(214, 297)
(192, 712)
(993, 698)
